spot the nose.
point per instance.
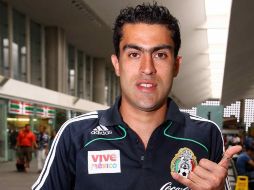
(147, 65)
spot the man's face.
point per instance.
(27, 127)
(146, 65)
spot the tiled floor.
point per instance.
(10, 179)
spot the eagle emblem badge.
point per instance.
(184, 162)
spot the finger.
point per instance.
(202, 172)
(211, 166)
(183, 180)
(198, 179)
(209, 173)
(228, 155)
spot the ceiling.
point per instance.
(88, 25)
(239, 69)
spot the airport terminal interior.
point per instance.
(55, 63)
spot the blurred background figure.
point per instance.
(43, 147)
(236, 140)
(26, 142)
(13, 133)
(245, 163)
(52, 137)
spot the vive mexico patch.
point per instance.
(184, 162)
(104, 161)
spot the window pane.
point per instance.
(19, 46)
(88, 77)
(71, 70)
(4, 41)
(36, 67)
(81, 74)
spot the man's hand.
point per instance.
(209, 175)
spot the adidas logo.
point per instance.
(101, 130)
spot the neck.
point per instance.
(143, 122)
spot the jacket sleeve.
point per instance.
(217, 144)
(218, 150)
(59, 169)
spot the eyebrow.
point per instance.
(153, 49)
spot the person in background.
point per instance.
(26, 142)
(143, 142)
(52, 137)
(236, 140)
(12, 141)
(43, 147)
(245, 163)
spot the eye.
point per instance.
(134, 55)
(161, 55)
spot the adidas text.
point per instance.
(101, 132)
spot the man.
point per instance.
(245, 163)
(26, 141)
(143, 141)
(13, 141)
(43, 145)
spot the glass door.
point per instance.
(3, 131)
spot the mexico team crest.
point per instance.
(184, 162)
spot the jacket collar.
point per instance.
(112, 116)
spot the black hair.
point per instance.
(249, 146)
(149, 14)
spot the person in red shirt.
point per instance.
(26, 141)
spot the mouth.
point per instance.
(146, 86)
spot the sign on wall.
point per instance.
(15, 107)
(23, 108)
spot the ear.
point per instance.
(178, 61)
(115, 63)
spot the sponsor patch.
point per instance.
(104, 161)
(184, 162)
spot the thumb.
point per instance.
(229, 153)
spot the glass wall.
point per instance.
(15, 114)
(20, 113)
(3, 131)
(36, 63)
(108, 86)
(4, 41)
(88, 94)
(114, 91)
(80, 67)
(15, 63)
(112, 88)
(19, 50)
(118, 90)
(81, 74)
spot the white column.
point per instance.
(56, 69)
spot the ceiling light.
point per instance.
(217, 14)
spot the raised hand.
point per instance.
(209, 175)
